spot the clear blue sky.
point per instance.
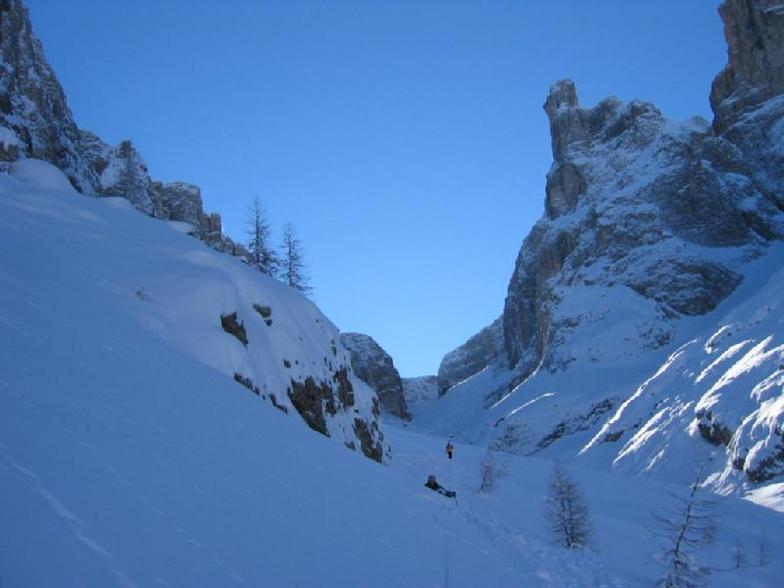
(405, 140)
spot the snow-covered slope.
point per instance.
(88, 263)
(129, 455)
(656, 236)
(420, 391)
(623, 510)
(713, 397)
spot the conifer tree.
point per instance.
(261, 253)
(292, 261)
(567, 511)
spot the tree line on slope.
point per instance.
(285, 262)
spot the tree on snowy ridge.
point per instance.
(567, 511)
(261, 253)
(292, 262)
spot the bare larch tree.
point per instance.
(567, 511)
(292, 267)
(261, 254)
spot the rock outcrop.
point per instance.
(754, 30)
(471, 357)
(375, 367)
(36, 122)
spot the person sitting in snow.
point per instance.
(449, 449)
(436, 487)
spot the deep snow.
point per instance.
(129, 457)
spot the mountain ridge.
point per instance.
(36, 122)
(649, 224)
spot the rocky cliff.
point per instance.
(374, 366)
(648, 225)
(36, 122)
(420, 391)
(473, 356)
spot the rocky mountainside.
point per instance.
(375, 367)
(36, 122)
(420, 391)
(649, 226)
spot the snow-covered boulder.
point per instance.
(40, 174)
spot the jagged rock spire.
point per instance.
(566, 123)
(754, 30)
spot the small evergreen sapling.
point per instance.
(489, 471)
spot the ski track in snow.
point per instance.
(71, 521)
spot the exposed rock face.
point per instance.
(35, 122)
(632, 199)
(471, 357)
(420, 391)
(184, 202)
(754, 30)
(375, 367)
